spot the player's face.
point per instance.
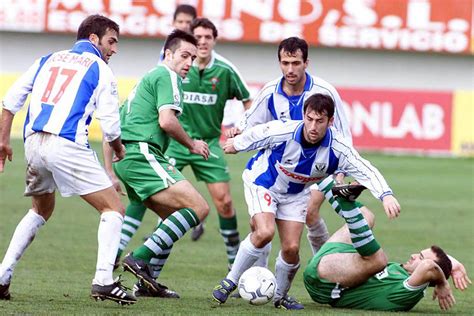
(206, 42)
(293, 67)
(183, 22)
(108, 44)
(417, 258)
(315, 126)
(182, 59)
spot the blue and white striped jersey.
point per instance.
(66, 88)
(284, 166)
(272, 103)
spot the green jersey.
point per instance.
(205, 94)
(387, 290)
(159, 89)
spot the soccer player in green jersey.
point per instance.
(351, 270)
(209, 84)
(149, 120)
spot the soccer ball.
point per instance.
(257, 285)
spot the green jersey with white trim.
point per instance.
(205, 94)
(159, 89)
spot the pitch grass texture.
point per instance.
(54, 276)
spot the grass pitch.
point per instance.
(54, 276)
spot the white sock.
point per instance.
(24, 234)
(284, 274)
(317, 235)
(246, 257)
(108, 236)
(262, 261)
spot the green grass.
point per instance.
(55, 274)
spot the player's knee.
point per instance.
(290, 252)
(380, 259)
(368, 215)
(201, 208)
(224, 206)
(263, 235)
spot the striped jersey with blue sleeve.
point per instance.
(66, 88)
(285, 166)
(272, 103)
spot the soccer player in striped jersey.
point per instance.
(66, 87)
(293, 155)
(283, 99)
(149, 120)
(351, 270)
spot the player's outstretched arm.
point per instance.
(6, 151)
(459, 274)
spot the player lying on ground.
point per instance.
(346, 273)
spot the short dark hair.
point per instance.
(205, 23)
(320, 103)
(442, 260)
(96, 24)
(291, 45)
(176, 37)
(186, 9)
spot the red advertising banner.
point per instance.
(409, 25)
(399, 119)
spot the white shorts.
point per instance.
(289, 207)
(55, 162)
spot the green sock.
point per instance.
(230, 234)
(362, 237)
(167, 233)
(131, 222)
(159, 261)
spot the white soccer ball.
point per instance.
(257, 285)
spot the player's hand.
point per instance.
(339, 178)
(391, 206)
(6, 152)
(200, 148)
(232, 132)
(116, 184)
(229, 146)
(444, 295)
(458, 273)
(119, 154)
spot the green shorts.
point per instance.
(321, 290)
(145, 171)
(213, 170)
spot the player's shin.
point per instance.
(284, 273)
(108, 236)
(24, 234)
(360, 232)
(167, 233)
(230, 234)
(246, 257)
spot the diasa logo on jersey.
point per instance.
(405, 120)
(200, 98)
